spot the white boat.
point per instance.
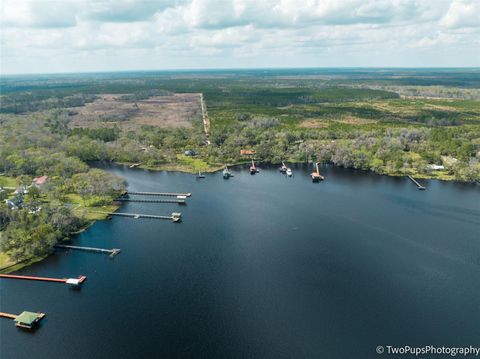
(289, 172)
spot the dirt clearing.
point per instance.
(170, 110)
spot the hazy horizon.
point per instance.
(240, 69)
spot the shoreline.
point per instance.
(13, 267)
(439, 175)
(212, 169)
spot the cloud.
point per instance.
(38, 14)
(75, 35)
(125, 10)
(462, 14)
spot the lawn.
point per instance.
(90, 213)
(6, 181)
(4, 260)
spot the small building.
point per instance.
(247, 152)
(28, 319)
(436, 167)
(190, 153)
(11, 204)
(40, 181)
(15, 202)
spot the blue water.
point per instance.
(263, 266)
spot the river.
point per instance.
(263, 266)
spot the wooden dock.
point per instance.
(167, 194)
(7, 315)
(72, 281)
(175, 217)
(112, 252)
(420, 187)
(178, 201)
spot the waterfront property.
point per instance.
(265, 268)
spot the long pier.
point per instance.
(178, 201)
(169, 194)
(112, 252)
(72, 281)
(420, 187)
(175, 217)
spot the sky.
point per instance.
(49, 36)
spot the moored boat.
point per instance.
(226, 173)
(316, 176)
(253, 168)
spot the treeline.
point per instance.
(25, 235)
(22, 102)
(44, 215)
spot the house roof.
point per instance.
(27, 318)
(40, 180)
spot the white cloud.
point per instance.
(462, 14)
(38, 14)
(78, 35)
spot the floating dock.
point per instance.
(175, 217)
(178, 201)
(167, 194)
(420, 187)
(27, 320)
(112, 252)
(71, 281)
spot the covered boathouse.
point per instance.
(28, 320)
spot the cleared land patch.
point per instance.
(313, 123)
(353, 120)
(170, 110)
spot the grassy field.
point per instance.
(6, 181)
(4, 260)
(357, 112)
(90, 213)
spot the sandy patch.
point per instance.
(313, 123)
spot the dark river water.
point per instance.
(263, 266)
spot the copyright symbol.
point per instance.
(380, 349)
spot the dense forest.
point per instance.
(420, 122)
